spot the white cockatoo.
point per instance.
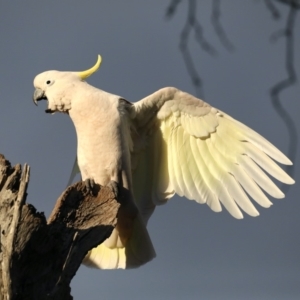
(165, 144)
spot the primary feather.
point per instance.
(167, 143)
(212, 158)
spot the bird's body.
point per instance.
(103, 153)
(169, 142)
(99, 121)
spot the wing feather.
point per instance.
(234, 168)
(250, 186)
(174, 161)
(260, 177)
(244, 132)
(187, 168)
(162, 188)
(207, 155)
(228, 179)
(219, 180)
(201, 182)
(268, 164)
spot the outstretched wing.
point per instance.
(183, 145)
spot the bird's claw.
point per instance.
(113, 185)
(89, 184)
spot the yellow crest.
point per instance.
(89, 72)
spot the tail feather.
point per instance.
(137, 251)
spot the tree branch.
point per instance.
(191, 23)
(215, 19)
(273, 9)
(294, 3)
(39, 258)
(280, 86)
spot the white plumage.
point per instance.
(167, 143)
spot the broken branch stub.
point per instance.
(39, 258)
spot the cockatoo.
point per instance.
(165, 144)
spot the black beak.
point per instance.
(38, 96)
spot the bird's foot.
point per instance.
(113, 185)
(89, 184)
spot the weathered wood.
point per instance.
(39, 258)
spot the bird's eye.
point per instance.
(49, 82)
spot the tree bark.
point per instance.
(39, 258)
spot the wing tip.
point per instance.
(287, 161)
(291, 181)
(238, 217)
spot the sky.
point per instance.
(200, 254)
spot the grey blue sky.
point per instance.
(200, 254)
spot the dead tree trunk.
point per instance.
(39, 258)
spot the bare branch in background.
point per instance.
(294, 3)
(291, 79)
(191, 23)
(273, 9)
(172, 8)
(197, 82)
(215, 20)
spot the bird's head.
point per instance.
(57, 87)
